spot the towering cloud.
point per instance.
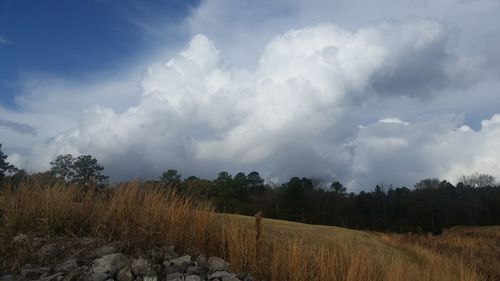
(297, 113)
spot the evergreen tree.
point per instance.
(5, 167)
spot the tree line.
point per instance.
(83, 170)
(429, 206)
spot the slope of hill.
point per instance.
(146, 218)
(316, 252)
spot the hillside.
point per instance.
(141, 220)
(354, 255)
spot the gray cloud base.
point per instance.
(18, 127)
(297, 113)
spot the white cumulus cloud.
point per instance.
(387, 152)
(296, 113)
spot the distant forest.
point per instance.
(429, 206)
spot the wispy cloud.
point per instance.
(5, 40)
(18, 127)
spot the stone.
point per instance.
(52, 277)
(178, 264)
(75, 274)
(217, 264)
(37, 242)
(195, 270)
(48, 250)
(20, 239)
(192, 278)
(103, 251)
(224, 276)
(174, 276)
(68, 266)
(149, 278)
(125, 275)
(201, 260)
(141, 266)
(99, 276)
(31, 274)
(109, 264)
(170, 253)
(7, 277)
(45, 269)
(87, 241)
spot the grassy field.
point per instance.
(334, 253)
(270, 249)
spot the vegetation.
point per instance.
(83, 170)
(478, 246)
(429, 207)
(172, 211)
(145, 216)
(5, 167)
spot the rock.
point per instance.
(52, 277)
(109, 264)
(99, 276)
(7, 277)
(195, 270)
(37, 242)
(68, 266)
(103, 251)
(31, 274)
(78, 274)
(45, 269)
(125, 274)
(20, 239)
(141, 266)
(87, 241)
(217, 264)
(48, 250)
(201, 260)
(224, 276)
(178, 264)
(174, 276)
(170, 253)
(192, 278)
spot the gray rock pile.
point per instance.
(108, 263)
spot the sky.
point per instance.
(365, 92)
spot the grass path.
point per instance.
(370, 254)
(316, 234)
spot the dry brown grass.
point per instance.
(294, 251)
(270, 249)
(478, 247)
(140, 216)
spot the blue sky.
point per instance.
(367, 92)
(74, 38)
